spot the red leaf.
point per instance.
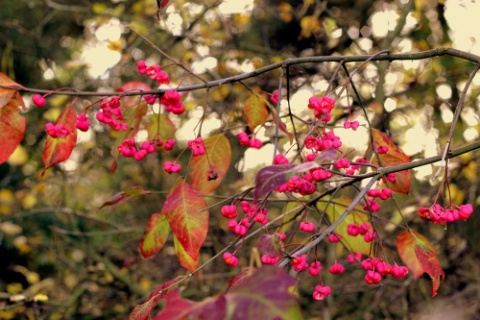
(216, 160)
(242, 275)
(185, 213)
(57, 150)
(156, 235)
(134, 86)
(176, 307)
(393, 157)
(269, 244)
(163, 3)
(160, 127)
(7, 94)
(255, 111)
(12, 125)
(262, 295)
(142, 311)
(419, 255)
(123, 196)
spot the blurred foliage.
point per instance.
(63, 259)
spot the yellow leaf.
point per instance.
(309, 25)
(40, 297)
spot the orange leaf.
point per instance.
(209, 170)
(419, 255)
(255, 111)
(57, 150)
(189, 222)
(156, 235)
(12, 126)
(393, 157)
(7, 94)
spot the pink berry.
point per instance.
(373, 277)
(229, 211)
(333, 237)
(315, 268)
(336, 268)
(230, 259)
(321, 292)
(307, 226)
(39, 100)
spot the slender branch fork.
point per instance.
(288, 62)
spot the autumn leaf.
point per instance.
(142, 311)
(186, 260)
(393, 157)
(270, 177)
(58, 149)
(263, 294)
(160, 127)
(334, 210)
(7, 94)
(209, 170)
(12, 125)
(132, 86)
(188, 219)
(255, 111)
(420, 256)
(123, 196)
(156, 235)
(242, 275)
(270, 245)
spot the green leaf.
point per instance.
(57, 150)
(160, 127)
(209, 170)
(12, 126)
(156, 235)
(334, 210)
(420, 256)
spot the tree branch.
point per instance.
(438, 52)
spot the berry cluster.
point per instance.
(154, 72)
(111, 114)
(321, 107)
(245, 140)
(57, 130)
(128, 148)
(437, 214)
